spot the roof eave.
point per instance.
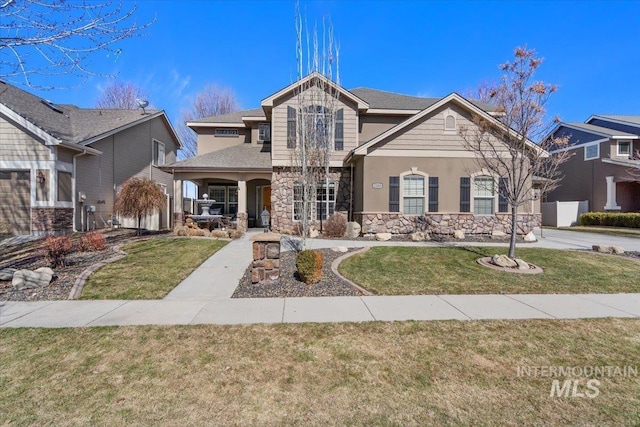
(113, 131)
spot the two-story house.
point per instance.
(605, 169)
(398, 164)
(61, 166)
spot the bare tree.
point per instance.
(315, 118)
(49, 38)
(213, 100)
(121, 95)
(505, 148)
(139, 197)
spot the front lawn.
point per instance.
(453, 270)
(151, 269)
(369, 374)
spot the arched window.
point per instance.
(449, 120)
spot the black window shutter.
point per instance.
(503, 205)
(394, 194)
(433, 194)
(291, 127)
(339, 142)
(465, 194)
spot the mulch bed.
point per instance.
(65, 277)
(290, 285)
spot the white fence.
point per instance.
(563, 214)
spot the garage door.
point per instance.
(15, 194)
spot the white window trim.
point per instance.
(313, 212)
(450, 113)
(630, 153)
(597, 156)
(153, 152)
(472, 197)
(414, 171)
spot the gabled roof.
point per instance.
(597, 130)
(361, 104)
(238, 157)
(70, 124)
(236, 117)
(632, 120)
(363, 149)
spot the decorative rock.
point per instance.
(617, 250)
(313, 233)
(504, 261)
(522, 265)
(353, 230)
(26, 279)
(340, 249)
(496, 234)
(458, 234)
(530, 237)
(383, 237)
(603, 249)
(7, 273)
(418, 236)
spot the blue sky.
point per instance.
(423, 48)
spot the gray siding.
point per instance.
(17, 144)
(576, 137)
(616, 126)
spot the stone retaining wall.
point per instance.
(443, 223)
(51, 220)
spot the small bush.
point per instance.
(611, 219)
(56, 249)
(92, 242)
(309, 266)
(180, 230)
(197, 232)
(220, 234)
(335, 225)
(235, 234)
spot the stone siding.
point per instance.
(51, 220)
(443, 223)
(266, 258)
(282, 198)
(242, 222)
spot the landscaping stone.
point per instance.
(603, 249)
(340, 249)
(496, 234)
(353, 230)
(27, 279)
(530, 237)
(522, 265)
(418, 236)
(7, 273)
(458, 234)
(383, 237)
(617, 250)
(313, 233)
(504, 261)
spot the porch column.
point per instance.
(177, 202)
(242, 215)
(612, 204)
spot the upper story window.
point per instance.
(320, 129)
(624, 148)
(450, 119)
(592, 151)
(158, 153)
(226, 132)
(264, 132)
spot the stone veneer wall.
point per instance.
(282, 197)
(51, 220)
(443, 223)
(265, 267)
(242, 221)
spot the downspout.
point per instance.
(351, 193)
(74, 192)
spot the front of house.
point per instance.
(398, 164)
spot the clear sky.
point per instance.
(423, 48)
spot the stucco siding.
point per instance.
(208, 141)
(17, 144)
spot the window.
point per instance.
(624, 148)
(232, 205)
(483, 195)
(449, 120)
(226, 132)
(264, 132)
(325, 202)
(592, 152)
(158, 153)
(318, 125)
(339, 140)
(64, 186)
(298, 203)
(291, 127)
(413, 195)
(218, 194)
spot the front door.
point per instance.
(266, 198)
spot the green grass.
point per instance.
(369, 374)
(453, 270)
(612, 231)
(151, 269)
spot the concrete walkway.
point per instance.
(204, 298)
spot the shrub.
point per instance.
(92, 242)
(220, 234)
(56, 249)
(197, 232)
(611, 219)
(335, 225)
(235, 234)
(309, 266)
(180, 230)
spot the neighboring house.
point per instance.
(61, 166)
(605, 167)
(398, 165)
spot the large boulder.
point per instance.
(522, 265)
(458, 234)
(617, 250)
(418, 236)
(7, 273)
(383, 237)
(341, 249)
(530, 237)
(27, 279)
(497, 234)
(504, 261)
(313, 233)
(353, 230)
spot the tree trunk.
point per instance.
(139, 222)
(514, 232)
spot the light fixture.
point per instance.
(265, 216)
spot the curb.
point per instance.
(336, 262)
(76, 290)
